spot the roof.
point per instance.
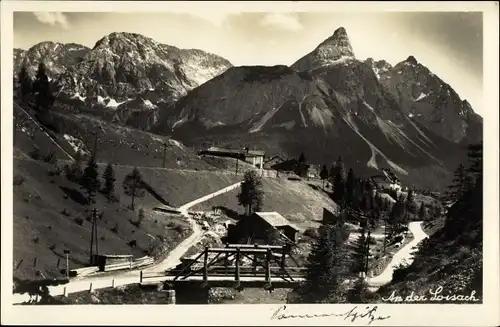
(380, 177)
(275, 157)
(275, 219)
(250, 153)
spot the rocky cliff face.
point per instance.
(122, 69)
(427, 99)
(58, 58)
(327, 104)
(333, 50)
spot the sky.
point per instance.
(450, 44)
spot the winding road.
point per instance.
(404, 256)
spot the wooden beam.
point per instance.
(268, 266)
(205, 265)
(258, 246)
(188, 266)
(237, 277)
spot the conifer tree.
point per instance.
(41, 88)
(459, 184)
(74, 170)
(331, 173)
(251, 194)
(25, 83)
(360, 252)
(339, 182)
(109, 182)
(323, 174)
(89, 181)
(133, 186)
(409, 205)
(326, 267)
(350, 188)
(302, 158)
(359, 293)
(422, 212)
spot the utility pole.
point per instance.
(164, 153)
(367, 252)
(237, 160)
(385, 235)
(93, 235)
(66, 252)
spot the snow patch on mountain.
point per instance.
(179, 122)
(79, 97)
(321, 116)
(392, 133)
(108, 102)
(421, 96)
(368, 106)
(258, 126)
(75, 143)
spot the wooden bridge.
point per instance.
(267, 266)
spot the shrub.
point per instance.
(50, 158)
(115, 229)
(179, 228)
(36, 239)
(397, 239)
(35, 154)
(311, 232)
(372, 241)
(52, 247)
(79, 221)
(400, 274)
(18, 180)
(55, 169)
(65, 212)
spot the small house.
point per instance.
(292, 165)
(387, 180)
(329, 217)
(269, 163)
(255, 157)
(256, 226)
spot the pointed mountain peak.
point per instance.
(340, 33)
(333, 50)
(411, 60)
(340, 40)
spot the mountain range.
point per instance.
(327, 104)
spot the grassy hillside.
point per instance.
(176, 186)
(50, 215)
(116, 144)
(299, 202)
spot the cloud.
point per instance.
(289, 22)
(216, 18)
(52, 18)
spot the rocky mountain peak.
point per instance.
(340, 41)
(334, 50)
(411, 60)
